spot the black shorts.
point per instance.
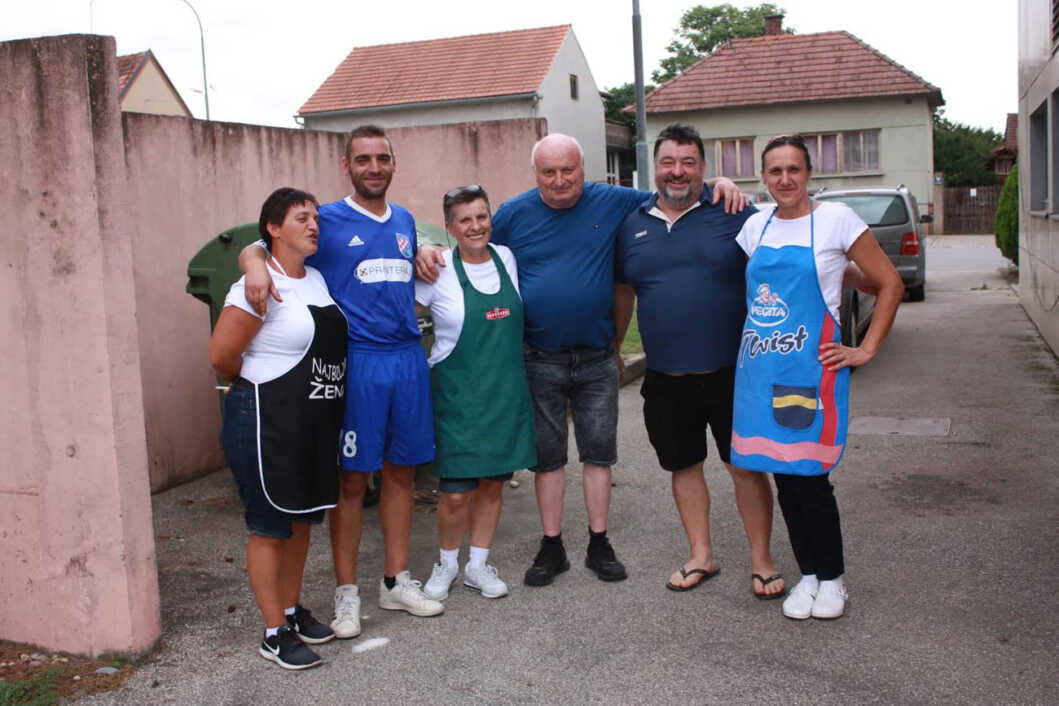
(678, 408)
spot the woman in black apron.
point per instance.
(282, 418)
(792, 374)
(483, 416)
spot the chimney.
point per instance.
(773, 25)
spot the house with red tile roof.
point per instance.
(868, 120)
(144, 87)
(1005, 154)
(529, 73)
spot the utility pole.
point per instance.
(202, 46)
(641, 110)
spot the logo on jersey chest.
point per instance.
(500, 312)
(404, 244)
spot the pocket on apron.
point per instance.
(794, 406)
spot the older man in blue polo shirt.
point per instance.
(677, 255)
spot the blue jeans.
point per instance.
(585, 380)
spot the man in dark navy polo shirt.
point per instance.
(677, 255)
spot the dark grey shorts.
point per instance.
(585, 380)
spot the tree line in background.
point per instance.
(962, 152)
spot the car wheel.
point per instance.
(374, 490)
(917, 293)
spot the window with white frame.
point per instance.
(844, 152)
(733, 158)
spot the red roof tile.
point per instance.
(127, 66)
(788, 68)
(1011, 132)
(475, 66)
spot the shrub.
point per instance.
(1006, 226)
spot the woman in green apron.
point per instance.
(483, 416)
(282, 418)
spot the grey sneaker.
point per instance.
(440, 581)
(485, 579)
(407, 596)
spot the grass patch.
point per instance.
(632, 343)
(41, 690)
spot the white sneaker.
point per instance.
(830, 600)
(407, 596)
(347, 612)
(485, 579)
(440, 581)
(799, 604)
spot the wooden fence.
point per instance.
(970, 209)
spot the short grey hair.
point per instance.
(533, 152)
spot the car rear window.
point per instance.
(877, 210)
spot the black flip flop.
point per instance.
(706, 576)
(765, 582)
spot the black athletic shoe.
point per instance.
(309, 629)
(285, 649)
(601, 559)
(550, 560)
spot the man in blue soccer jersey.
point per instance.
(366, 251)
(562, 234)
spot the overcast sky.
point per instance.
(264, 58)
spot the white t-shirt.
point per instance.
(836, 227)
(445, 297)
(288, 329)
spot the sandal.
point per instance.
(765, 582)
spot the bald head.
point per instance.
(559, 167)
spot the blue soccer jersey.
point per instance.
(368, 264)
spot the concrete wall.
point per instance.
(151, 93)
(906, 137)
(77, 569)
(582, 118)
(1038, 164)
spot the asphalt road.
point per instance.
(950, 529)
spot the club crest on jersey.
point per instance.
(500, 312)
(404, 245)
(767, 309)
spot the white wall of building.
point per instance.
(1038, 166)
(906, 137)
(439, 114)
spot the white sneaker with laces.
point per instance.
(485, 579)
(799, 604)
(440, 581)
(830, 602)
(407, 596)
(347, 612)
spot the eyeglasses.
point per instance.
(459, 191)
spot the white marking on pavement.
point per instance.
(370, 644)
(897, 426)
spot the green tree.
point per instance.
(703, 28)
(1006, 226)
(963, 152)
(618, 98)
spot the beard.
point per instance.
(679, 198)
(365, 191)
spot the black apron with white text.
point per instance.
(299, 421)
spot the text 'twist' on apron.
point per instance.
(483, 415)
(299, 420)
(790, 413)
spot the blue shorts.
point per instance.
(389, 416)
(239, 438)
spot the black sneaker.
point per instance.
(600, 558)
(309, 629)
(550, 560)
(285, 649)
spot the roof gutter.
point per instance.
(421, 104)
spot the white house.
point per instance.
(1038, 151)
(144, 87)
(528, 73)
(868, 120)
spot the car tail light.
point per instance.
(909, 244)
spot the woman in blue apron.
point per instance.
(792, 374)
(483, 416)
(282, 418)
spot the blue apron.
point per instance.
(790, 413)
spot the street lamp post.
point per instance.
(202, 45)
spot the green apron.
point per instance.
(483, 416)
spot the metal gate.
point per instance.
(970, 209)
